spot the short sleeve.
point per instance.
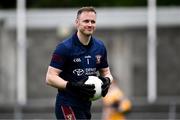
(104, 61)
(59, 57)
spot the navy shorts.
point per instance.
(71, 113)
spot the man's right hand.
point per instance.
(81, 90)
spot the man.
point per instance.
(72, 62)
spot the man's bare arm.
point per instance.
(53, 79)
(105, 72)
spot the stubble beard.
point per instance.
(88, 34)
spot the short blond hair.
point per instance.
(85, 9)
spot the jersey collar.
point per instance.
(77, 41)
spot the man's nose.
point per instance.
(89, 23)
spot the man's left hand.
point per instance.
(105, 86)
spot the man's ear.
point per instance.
(76, 22)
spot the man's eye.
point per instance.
(93, 22)
(86, 21)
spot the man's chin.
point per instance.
(88, 33)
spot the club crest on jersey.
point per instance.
(98, 59)
(78, 72)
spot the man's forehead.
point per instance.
(87, 14)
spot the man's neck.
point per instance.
(84, 39)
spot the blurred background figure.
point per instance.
(116, 104)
